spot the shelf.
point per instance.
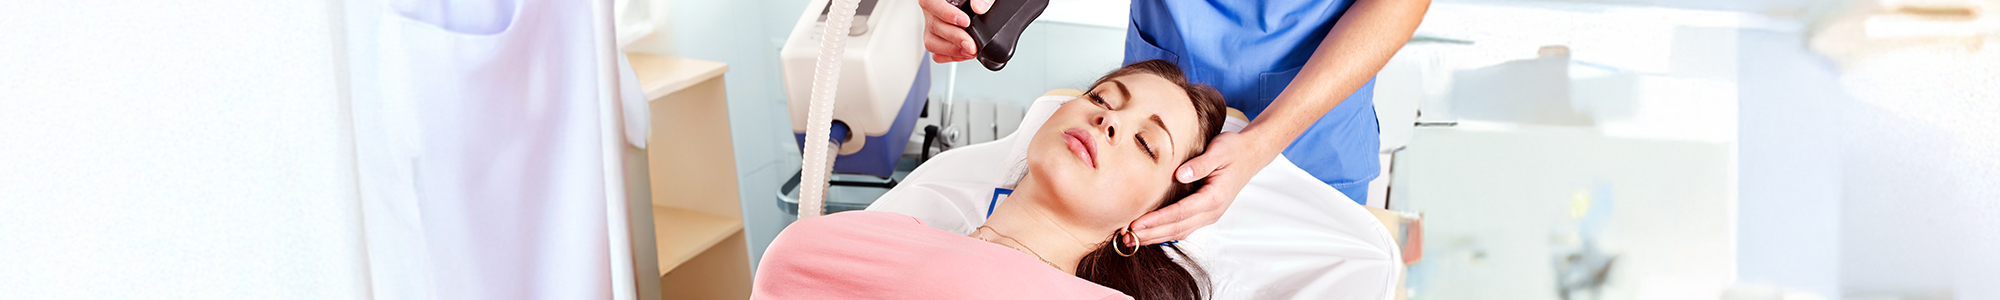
(684, 233)
(660, 75)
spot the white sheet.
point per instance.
(1287, 236)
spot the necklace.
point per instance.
(1024, 246)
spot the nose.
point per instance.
(1108, 122)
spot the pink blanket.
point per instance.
(881, 255)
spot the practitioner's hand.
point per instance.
(946, 38)
(1228, 164)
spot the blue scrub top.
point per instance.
(1250, 51)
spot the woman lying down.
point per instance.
(1098, 163)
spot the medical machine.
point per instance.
(865, 93)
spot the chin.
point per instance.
(1060, 172)
(1055, 171)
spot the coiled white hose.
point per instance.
(818, 162)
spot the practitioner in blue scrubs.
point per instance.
(1302, 70)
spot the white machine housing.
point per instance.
(876, 72)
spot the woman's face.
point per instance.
(1110, 155)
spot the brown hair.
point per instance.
(1152, 274)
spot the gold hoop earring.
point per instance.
(1127, 231)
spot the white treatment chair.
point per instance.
(1287, 236)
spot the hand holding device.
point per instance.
(987, 30)
(997, 32)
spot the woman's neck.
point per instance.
(1024, 222)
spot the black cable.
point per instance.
(930, 134)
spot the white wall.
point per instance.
(183, 149)
(1789, 205)
(1922, 178)
(1874, 180)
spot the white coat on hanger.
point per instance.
(486, 135)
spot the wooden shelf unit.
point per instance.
(697, 216)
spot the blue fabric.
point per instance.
(1250, 51)
(995, 202)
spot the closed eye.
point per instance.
(1148, 148)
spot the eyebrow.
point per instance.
(1163, 128)
(1122, 93)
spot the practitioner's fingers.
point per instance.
(1201, 166)
(950, 41)
(981, 6)
(1176, 221)
(934, 42)
(942, 11)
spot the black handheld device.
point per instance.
(998, 31)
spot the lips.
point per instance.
(1083, 144)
